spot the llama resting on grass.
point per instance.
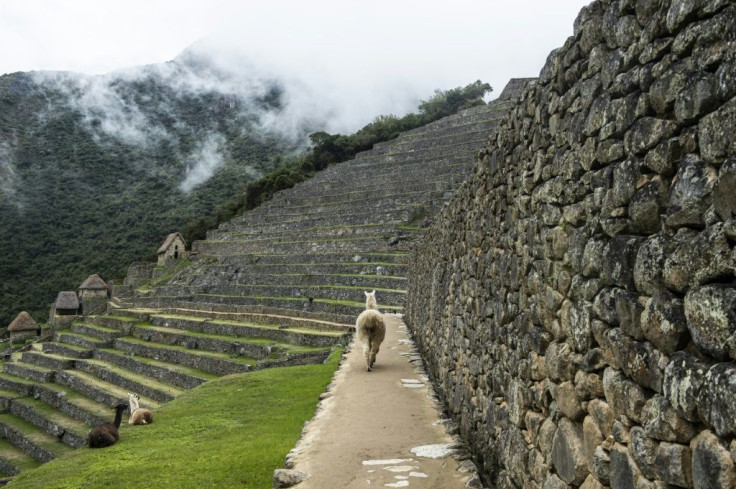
(107, 434)
(138, 415)
(371, 329)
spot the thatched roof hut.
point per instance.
(67, 302)
(23, 322)
(174, 246)
(93, 282)
(170, 239)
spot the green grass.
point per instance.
(228, 433)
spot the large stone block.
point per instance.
(683, 379)
(717, 399)
(663, 322)
(644, 451)
(650, 259)
(624, 471)
(618, 267)
(691, 192)
(712, 466)
(568, 456)
(661, 422)
(624, 396)
(567, 401)
(639, 360)
(646, 133)
(715, 133)
(673, 464)
(724, 194)
(711, 318)
(698, 258)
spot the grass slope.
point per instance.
(231, 432)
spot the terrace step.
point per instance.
(19, 385)
(297, 281)
(65, 428)
(216, 363)
(32, 440)
(103, 333)
(345, 293)
(48, 360)
(256, 315)
(306, 272)
(82, 340)
(281, 259)
(65, 350)
(130, 381)
(113, 322)
(240, 332)
(177, 375)
(73, 403)
(98, 390)
(323, 307)
(28, 371)
(13, 460)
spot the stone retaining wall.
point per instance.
(576, 302)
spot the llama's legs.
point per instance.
(374, 351)
(367, 352)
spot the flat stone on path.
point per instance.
(364, 434)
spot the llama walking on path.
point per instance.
(371, 329)
(107, 434)
(138, 415)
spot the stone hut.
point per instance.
(65, 310)
(23, 327)
(93, 294)
(67, 304)
(173, 248)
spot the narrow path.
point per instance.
(381, 428)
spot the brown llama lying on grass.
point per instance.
(138, 415)
(107, 434)
(371, 329)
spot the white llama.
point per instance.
(138, 415)
(371, 329)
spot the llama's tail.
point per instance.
(368, 324)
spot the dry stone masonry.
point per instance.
(576, 300)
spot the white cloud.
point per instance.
(203, 162)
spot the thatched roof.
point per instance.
(23, 322)
(170, 239)
(93, 282)
(67, 300)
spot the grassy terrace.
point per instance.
(275, 327)
(280, 346)
(229, 433)
(334, 302)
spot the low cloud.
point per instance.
(203, 162)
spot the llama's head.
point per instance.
(370, 300)
(133, 401)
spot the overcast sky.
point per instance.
(370, 57)
(452, 41)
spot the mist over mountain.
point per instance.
(96, 170)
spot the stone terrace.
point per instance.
(279, 285)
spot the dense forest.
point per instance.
(96, 171)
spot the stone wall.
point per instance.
(576, 302)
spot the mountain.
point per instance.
(95, 171)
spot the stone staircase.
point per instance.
(280, 285)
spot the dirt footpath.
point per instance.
(380, 428)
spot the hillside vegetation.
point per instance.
(95, 172)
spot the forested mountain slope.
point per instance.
(96, 170)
